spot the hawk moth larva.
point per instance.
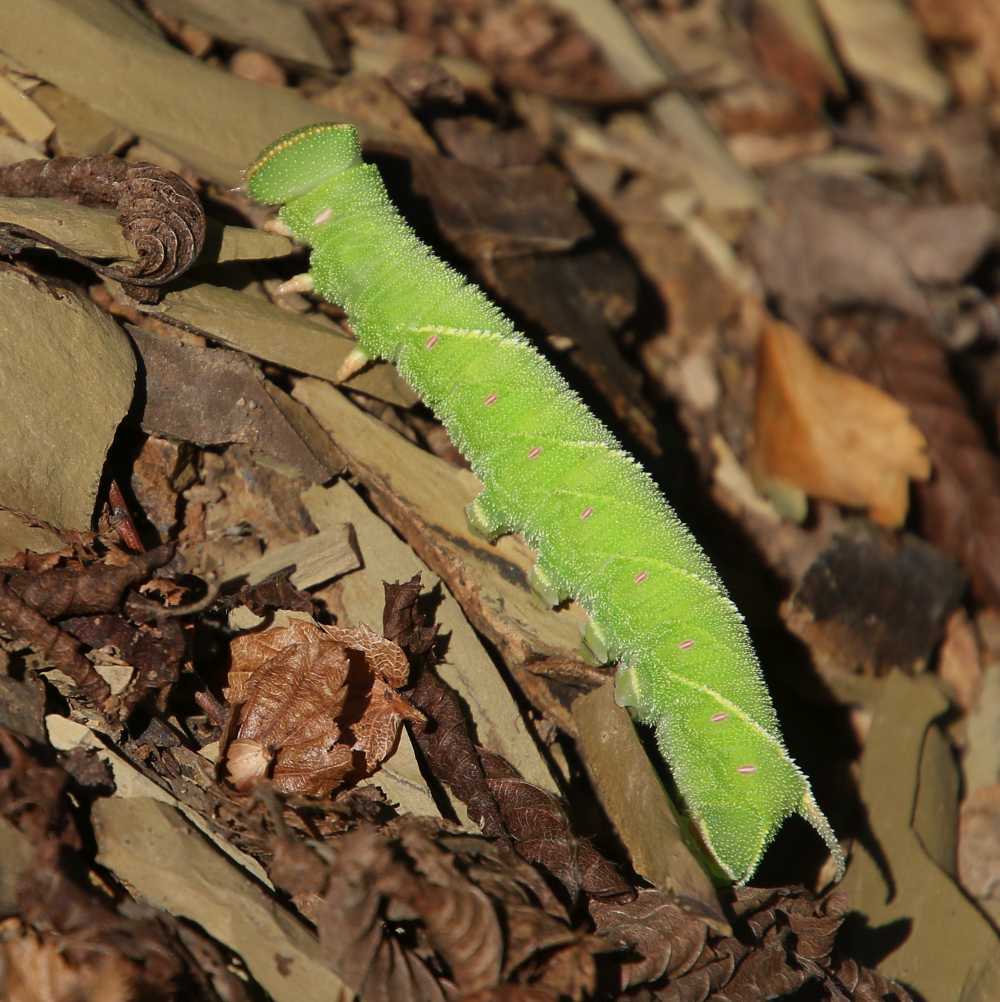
(603, 533)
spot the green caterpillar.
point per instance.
(603, 532)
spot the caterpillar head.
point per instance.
(301, 160)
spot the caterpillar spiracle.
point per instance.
(551, 471)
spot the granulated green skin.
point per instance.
(551, 471)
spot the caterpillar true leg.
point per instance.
(356, 360)
(297, 283)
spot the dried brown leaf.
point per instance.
(530, 931)
(384, 657)
(377, 731)
(789, 934)
(308, 713)
(827, 433)
(461, 921)
(32, 795)
(289, 685)
(466, 909)
(969, 30)
(351, 928)
(866, 985)
(540, 827)
(79, 923)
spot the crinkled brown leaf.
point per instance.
(351, 927)
(791, 937)
(384, 657)
(378, 729)
(541, 830)
(461, 921)
(289, 686)
(308, 713)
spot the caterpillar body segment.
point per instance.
(551, 471)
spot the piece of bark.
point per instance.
(25, 118)
(66, 384)
(153, 850)
(211, 397)
(881, 43)
(312, 561)
(263, 24)
(871, 603)
(159, 91)
(704, 157)
(266, 331)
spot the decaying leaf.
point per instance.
(663, 937)
(827, 433)
(313, 705)
(414, 911)
(969, 33)
(37, 595)
(870, 603)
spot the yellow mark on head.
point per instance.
(287, 141)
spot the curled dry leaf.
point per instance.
(827, 433)
(159, 212)
(498, 798)
(313, 706)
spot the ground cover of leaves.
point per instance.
(273, 722)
